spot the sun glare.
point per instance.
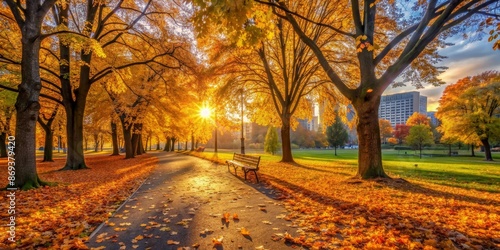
(205, 112)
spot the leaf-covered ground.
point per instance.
(63, 216)
(333, 211)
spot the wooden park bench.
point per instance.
(246, 162)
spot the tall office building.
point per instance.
(398, 108)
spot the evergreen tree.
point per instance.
(271, 144)
(336, 134)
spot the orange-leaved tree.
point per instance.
(386, 42)
(418, 119)
(469, 110)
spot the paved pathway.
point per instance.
(182, 204)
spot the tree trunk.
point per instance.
(286, 144)
(27, 102)
(157, 143)
(370, 150)
(135, 143)
(49, 135)
(472, 150)
(102, 142)
(192, 142)
(167, 144)
(127, 140)
(59, 144)
(449, 149)
(6, 128)
(74, 134)
(114, 139)
(141, 146)
(335, 150)
(96, 142)
(3, 146)
(173, 144)
(147, 141)
(48, 146)
(420, 149)
(487, 149)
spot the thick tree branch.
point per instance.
(283, 7)
(16, 11)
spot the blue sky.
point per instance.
(465, 58)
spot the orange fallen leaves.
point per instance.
(63, 216)
(226, 216)
(218, 241)
(173, 242)
(244, 232)
(332, 212)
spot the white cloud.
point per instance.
(464, 59)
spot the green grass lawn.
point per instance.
(459, 171)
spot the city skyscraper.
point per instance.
(397, 108)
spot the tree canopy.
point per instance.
(469, 110)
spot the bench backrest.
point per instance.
(247, 159)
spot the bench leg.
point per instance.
(255, 172)
(256, 176)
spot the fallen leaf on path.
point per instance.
(225, 216)
(218, 241)
(172, 242)
(244, 231)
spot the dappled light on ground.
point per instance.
(63, 216)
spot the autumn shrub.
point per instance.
(63, 216)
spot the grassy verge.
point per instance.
(63, 216)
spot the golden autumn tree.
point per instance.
(280, 73)
(469, 110)
(385, 129)
(418, 119)
(385, 42)
(126, 30)
(28, 16)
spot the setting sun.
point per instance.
(205, 112)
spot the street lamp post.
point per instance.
(242, 126)
(215, 138)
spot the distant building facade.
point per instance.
(398, 108)
(434, 120)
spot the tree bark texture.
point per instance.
(3, 146)
(172, 148)
(27, 102)
(286, 143)
(114, 139)
(74, 133)
(487, 149)
(127, 140)
(167, 144)
(370, 149)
